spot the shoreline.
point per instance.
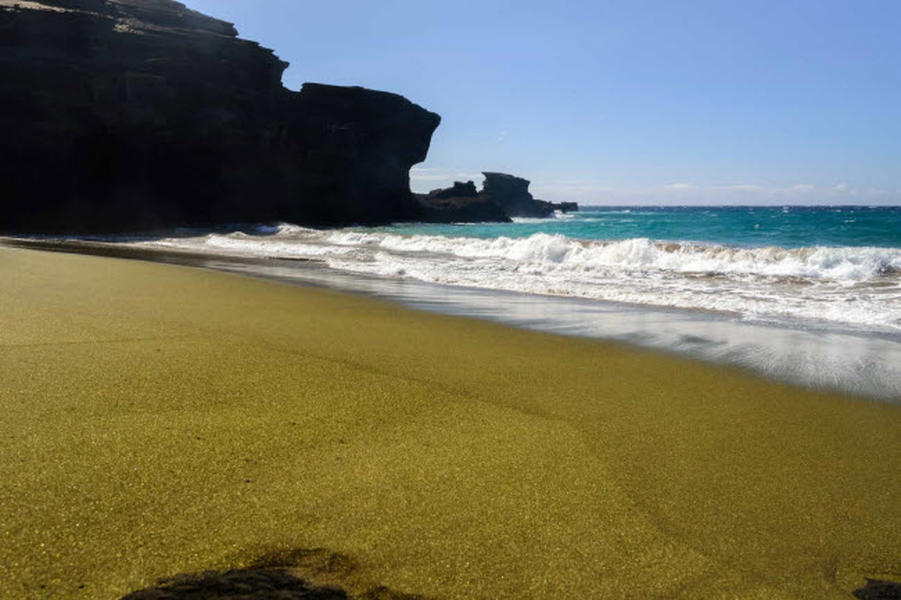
(864, 364)
(162, 420)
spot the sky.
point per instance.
(622, 101)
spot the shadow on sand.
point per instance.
(274, 575)
(879, 590)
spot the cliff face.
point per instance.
(125, 115)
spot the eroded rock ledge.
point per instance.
(125, 115)
(134, 115)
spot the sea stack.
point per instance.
(502, 196)
(512, 193)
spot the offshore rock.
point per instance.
(512, 194)
(459, 190)
(462, 210)
(129, 115)
(460, 204)
(502, 196)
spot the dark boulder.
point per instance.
(126, 115)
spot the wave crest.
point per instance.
(838, 264)
(856, 285)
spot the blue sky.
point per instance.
(631, 101)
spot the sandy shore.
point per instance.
(160, 420)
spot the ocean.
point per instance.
(768, 288)
(840, 265)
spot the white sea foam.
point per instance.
(855, 286)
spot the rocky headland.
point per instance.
(131, 115)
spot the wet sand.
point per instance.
(827, 357)
(161, 420)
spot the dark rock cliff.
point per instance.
(126, 115)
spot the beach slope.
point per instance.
(160, 420)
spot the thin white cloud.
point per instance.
(744, 187)
(589, 194)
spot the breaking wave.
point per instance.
(558, 251)
(851, 285)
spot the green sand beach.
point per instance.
(160, 420)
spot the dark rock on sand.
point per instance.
(125, 115)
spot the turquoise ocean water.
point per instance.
(824, 266)
(807, 295)
(786, 227)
